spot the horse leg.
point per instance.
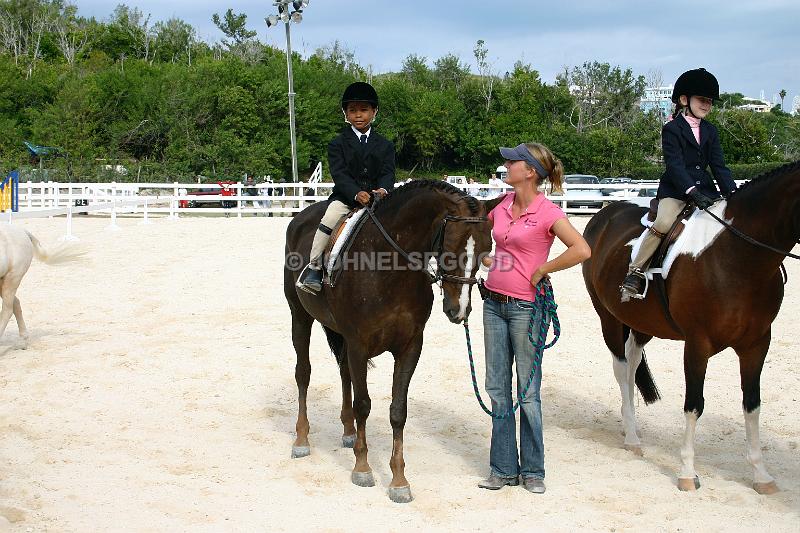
(8, 293)
(362, 472)
(301, 337)
(404, 365)
(695, 362)
(23, 330)
(625, 372)
(627, 354)
(347, 416)
(751, 361)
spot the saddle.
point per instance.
(657, 261)
(668, 238)
(341, 240)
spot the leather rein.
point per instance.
(437, 244)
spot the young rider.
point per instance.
(360, 160)
(690, 145)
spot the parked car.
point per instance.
(590, 197)
(611, 181)
(643, 198)
(200, 201)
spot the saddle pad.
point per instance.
(343, 237)
(700, 232)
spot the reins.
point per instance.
(749, 239)
(437, 244)
(546, 303)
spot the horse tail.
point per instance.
(336, 344)
(644, 382)
(63, 253)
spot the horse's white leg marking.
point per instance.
(625, 372)
(463, 300)
(687, 450)
(753, 453)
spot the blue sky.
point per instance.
(750, 45)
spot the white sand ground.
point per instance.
(157, 394)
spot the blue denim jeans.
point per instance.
(506, 340)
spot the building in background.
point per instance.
(658, 99)
(796, 105)
(757, 105)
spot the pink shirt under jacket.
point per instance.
(521, 246)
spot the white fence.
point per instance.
(275, 199)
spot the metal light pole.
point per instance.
(285, 17)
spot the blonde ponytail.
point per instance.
(550, 163)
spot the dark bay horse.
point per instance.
(381, 303)
(722, 292)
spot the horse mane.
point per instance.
(399, 193)
(767, 176)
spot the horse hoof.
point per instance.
(689, 484)
(348, 441)
(635, 449)
(400, 494)
(363, 479)
(300, 451)
(766, 488)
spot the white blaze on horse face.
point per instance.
(463, 300)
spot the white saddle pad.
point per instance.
(700, 232)
(346, 231)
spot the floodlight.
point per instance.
(271, 21)
(297, 17)
(284, 16)
(300, 4)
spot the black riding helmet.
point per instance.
(696, 82)
(360, 92)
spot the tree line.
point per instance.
(152, 97)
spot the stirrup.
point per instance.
(634, 285)
(310, 279)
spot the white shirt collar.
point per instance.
(359, 134)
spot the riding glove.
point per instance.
(700, 200)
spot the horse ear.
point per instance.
(488, 205)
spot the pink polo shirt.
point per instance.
(522, 245)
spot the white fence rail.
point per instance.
(278, 199)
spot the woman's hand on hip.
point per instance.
(538, 276)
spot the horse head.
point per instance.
(461, 242)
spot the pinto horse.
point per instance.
(723, 290)
(382, 303)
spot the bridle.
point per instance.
(437, 245)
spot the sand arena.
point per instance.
(158, 394)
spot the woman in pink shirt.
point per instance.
(525, 225)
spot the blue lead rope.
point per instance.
(547, 305)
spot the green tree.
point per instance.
(234, 26)
(604, 95)
(450, 72)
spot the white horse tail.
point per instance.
(63, 253)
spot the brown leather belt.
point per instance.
(489, 294)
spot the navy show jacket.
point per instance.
(687, 162)
(355, 168)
